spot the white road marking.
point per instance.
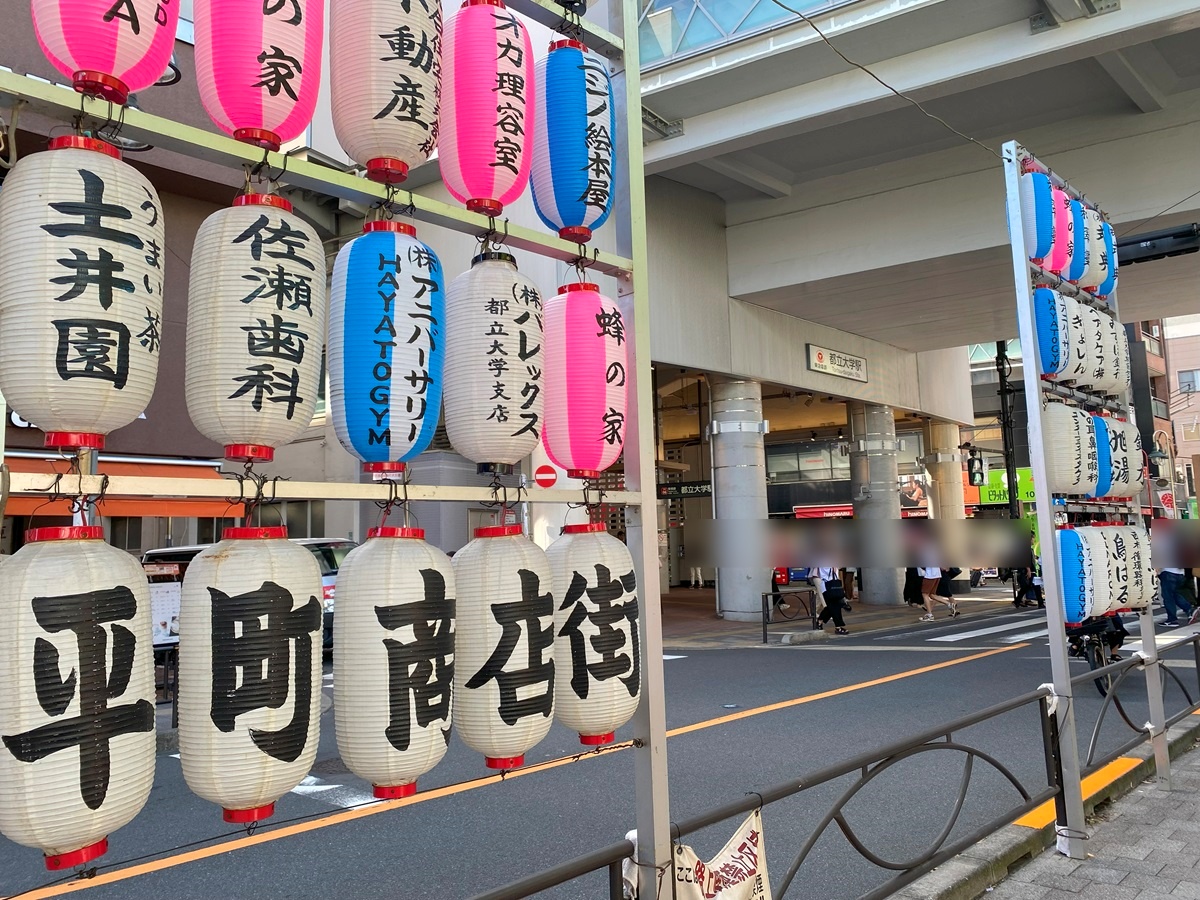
(1028, 635)
(995, 629)
(666, 657)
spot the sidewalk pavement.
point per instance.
(690, 621)
(1144, 846)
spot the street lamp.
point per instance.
(1158, 456)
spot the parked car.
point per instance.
(173, 563)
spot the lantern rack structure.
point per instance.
(1071, 828)
(628, 266)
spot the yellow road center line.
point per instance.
(350, 815)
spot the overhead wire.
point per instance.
(903, 96)
(1158, 215)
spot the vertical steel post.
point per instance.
(650, 724)
(1008, 430)
(1072, 833)
(1154, 698)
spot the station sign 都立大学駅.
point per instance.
(833, 362)
(680, 490)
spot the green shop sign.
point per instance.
(995, 492)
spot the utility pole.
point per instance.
(1007, 392)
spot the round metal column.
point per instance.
(875, 487)
(739, 479)
(946, 498)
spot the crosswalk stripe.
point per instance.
(965, 635)
(1029, 635)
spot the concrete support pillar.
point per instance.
(945, 468)
(875, 488)
(739, 479)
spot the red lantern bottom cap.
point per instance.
(245, 816)
(576, 234)
(80, 440)
(387, 170)
(259, 137)
(597, 740)
(583, 474)
(384, 467)
(504, 762)
(249, 453)
(101, 84)
(485, 206)
(79, 857)
(395, 791)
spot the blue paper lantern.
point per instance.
(1110, 247)
(1037, 209)
(1079, 251)
(386, 351)
(573, 162)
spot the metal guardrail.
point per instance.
(1111, 678)
(866, 767)
(809, 608)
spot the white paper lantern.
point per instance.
(256, 322)
(1037, 212)
(387, 311)
(1126, 555)
(77, 722)
(250, 635)
(1096, 268)
(81, 281)
(1108, 364)
(1085, 354)
(597, 663)
(503, 645)
(393, 659)
(386, 57)
(494, 359)
(1073, 460)
(1125, 459)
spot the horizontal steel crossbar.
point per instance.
(61, 102)
(132, 486)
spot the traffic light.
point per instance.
(976, 474)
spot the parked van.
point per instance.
(169, 564)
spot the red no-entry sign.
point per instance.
(545, 476)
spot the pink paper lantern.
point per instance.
(1064, 227)
(108, 49)
(484, 143)
(259, 66)
(584, 382)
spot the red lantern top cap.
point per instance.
(499, 3)
(576, 45)
(491, 531)
(589, 528)
(255, 533)
(79, 142)
(495, 255)
(263, 200)
(579, 286)
(390, 225)
(388, 531)
(70, 533)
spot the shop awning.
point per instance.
(164, 507)
(846, 511)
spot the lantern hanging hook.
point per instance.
(387, 505)
(8, 138)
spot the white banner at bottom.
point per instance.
(738, 872)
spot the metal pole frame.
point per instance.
(654, 850)
(1071, 833)
(630, 270)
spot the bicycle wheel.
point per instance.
(1094, 650)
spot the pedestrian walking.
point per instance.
(697, 578)
(930, 577)
(829, 587)
(1170, 583)
(776, 594)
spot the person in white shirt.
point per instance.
(930, 576)
(829, 587)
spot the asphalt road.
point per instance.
(849, 696)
